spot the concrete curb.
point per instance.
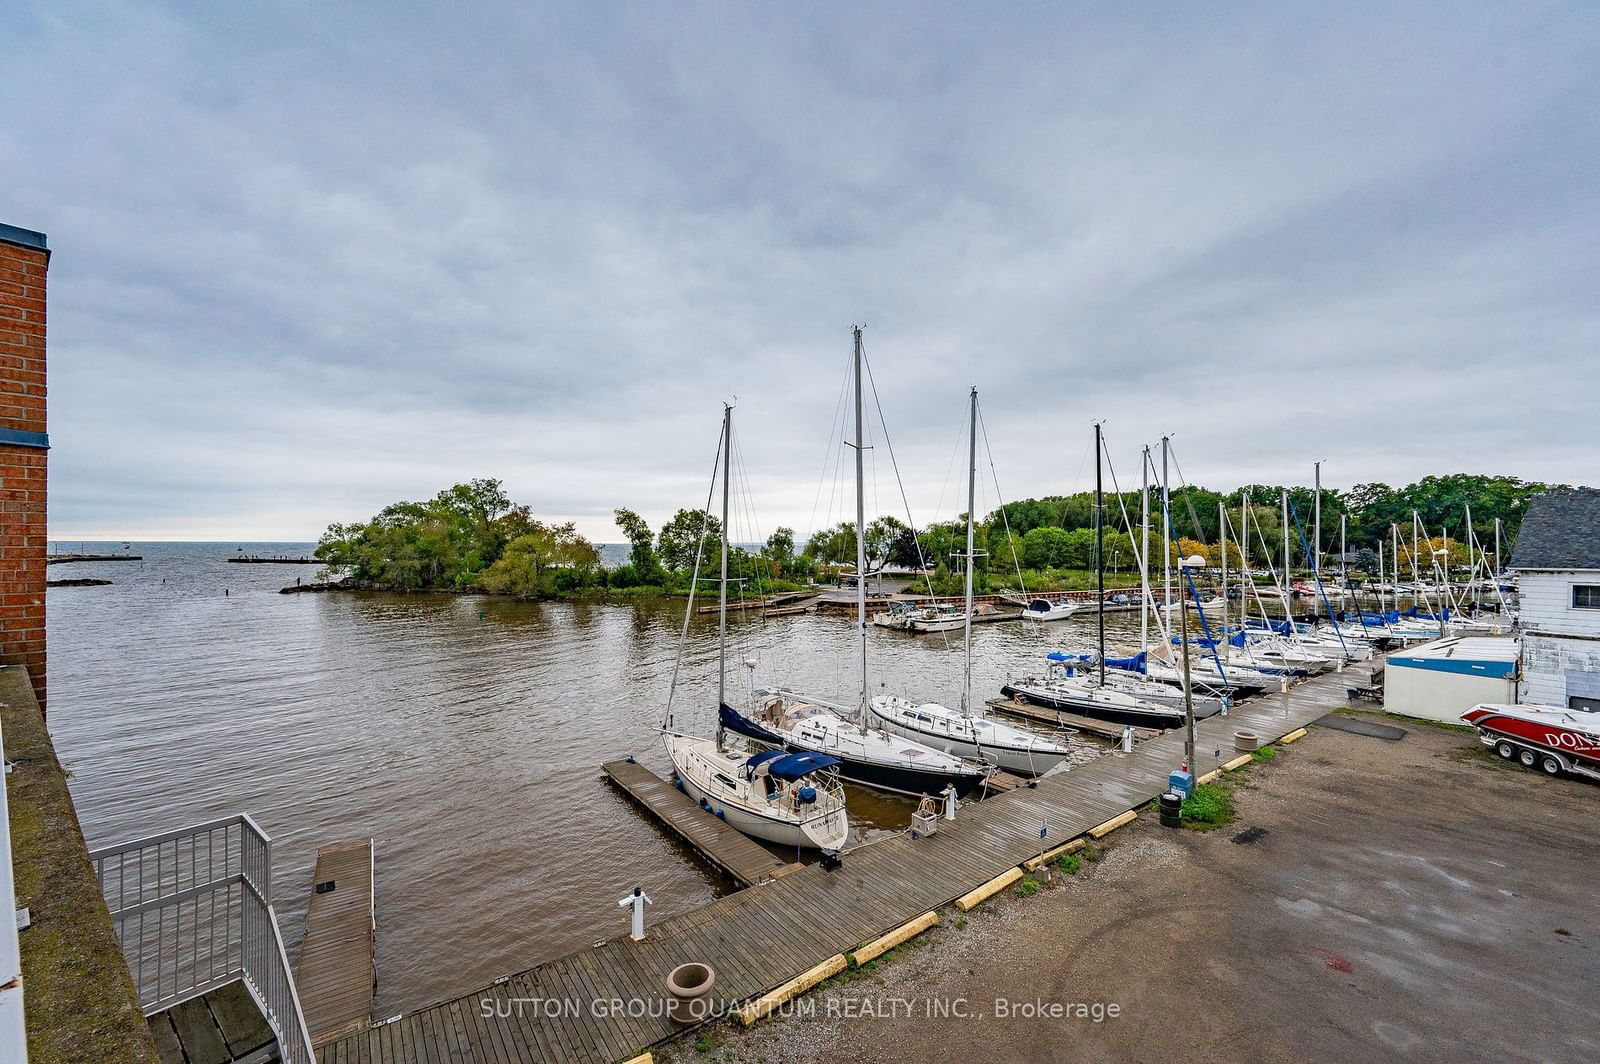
(1113, 824)
(763, 1005)
(978, 895)
(883, 944)
(1034, 863)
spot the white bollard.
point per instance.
(638, 899)
(1127, 740)
(950, 801)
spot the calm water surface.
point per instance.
(464, 734)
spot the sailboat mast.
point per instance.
(972, 491)
(1166, 526)
(1100, 546)
(1144, 557)
(1222, 538)
(1288, 612)
(1316, 525)
(861, 537)
(722, 588)
(1344, 555)
(1247, 583)
(1497, 554)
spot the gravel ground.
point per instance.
(1374, 900)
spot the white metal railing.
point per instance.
(193, 911)
(13, 1031)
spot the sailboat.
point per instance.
(1097, 691)
(962, 731)
(865, 752)
(794, 800)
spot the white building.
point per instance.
(1558, 562)
(1443, 679)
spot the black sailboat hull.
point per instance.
(1167, 719)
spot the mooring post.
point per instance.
(638, 899)
(950, 801)
(1127, 740)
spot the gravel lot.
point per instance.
(1375, 900)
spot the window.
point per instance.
(1586, 596)
(1588, 705)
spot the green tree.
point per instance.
(642, 555)
(688, 534)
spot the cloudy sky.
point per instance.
(311, 258)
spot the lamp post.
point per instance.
(1188, 565)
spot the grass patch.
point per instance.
(961, 923)
(1266, 753)
(1027, 888)
(1208, 806)
(1068, 863)
(703, 1044)
(1401, 718)
(1091, 852)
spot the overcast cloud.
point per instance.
(313, 258)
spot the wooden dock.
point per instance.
(253, 559)
(734, 853)
(760, 938)
(335, 973)
(61, 559)
(1060, 718)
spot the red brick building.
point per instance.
(24, 258)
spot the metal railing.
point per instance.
(13, 1032)
(193, 912)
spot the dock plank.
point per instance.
(334, 972)
(760, 937)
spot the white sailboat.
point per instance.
(789, 799)
(964, 731)
(866, 752)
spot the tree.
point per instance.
(1045, 548)
(642, 556)
(689, 534)
(780, 547)
(542, 561)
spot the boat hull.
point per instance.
(1056, 698)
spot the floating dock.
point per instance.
(761, 939)
(1060, 718)
(724, 846)
(335, 973)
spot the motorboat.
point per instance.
(940, 617)
(1553, 739)
(1044, 610)
(793, 800)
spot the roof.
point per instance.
(1561, 531)
(15, 234)
(1472, 655)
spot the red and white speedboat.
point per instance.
(1551, 738)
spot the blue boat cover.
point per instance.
(734, 720)
(761, 757)
(1057, 655)
(793, 766)
(1133, 664)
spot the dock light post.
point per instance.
(638, 899)
(1194, 561)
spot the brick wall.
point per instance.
(23, 452)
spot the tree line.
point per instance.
(473, 537)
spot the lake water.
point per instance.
(464, 734)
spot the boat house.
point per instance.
(1557, 559)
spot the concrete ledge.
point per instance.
(77, 992)
(763, 1005)
(1034, 863)
(1210, 776)
(978, 895)
(1239, 762)
(883, 944)
(642, 1058)
(1298, 733)
(1113, 824)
